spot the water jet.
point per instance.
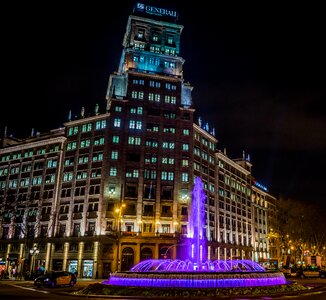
(196, 271)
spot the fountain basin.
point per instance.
(196, 279)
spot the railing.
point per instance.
(166, 214)
(148, 214)
(63, 217)
(45, 217)
(77, 216)
(92, 215)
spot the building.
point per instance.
(111, 189)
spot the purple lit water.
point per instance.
(197, 243)
(196, 271)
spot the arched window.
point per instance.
(146, 253)
(127, 260)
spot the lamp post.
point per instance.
(118, 211)
(33, 252)
(119, 217)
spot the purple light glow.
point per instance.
(197, 246)
(177, 265)
(196, 271)
(196, 279)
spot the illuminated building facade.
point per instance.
(111, 189)
(234, 231)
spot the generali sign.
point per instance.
(162, 12)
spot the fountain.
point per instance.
(196, 271)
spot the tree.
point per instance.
(302, 227)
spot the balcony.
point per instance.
(45, 217)
(77, 216)
(63, 217)
(89, 233)
(129, 213)
(148, 214)
(167, 214)
(92, 215)
(184, 218)
(167, 234)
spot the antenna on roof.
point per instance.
(96, 109)
(69, 115)
(32, 132)
(5, 132)
(82, 113)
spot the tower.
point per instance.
(150, 134)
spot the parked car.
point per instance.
(307, 273)
(322, 273)
(56, 278)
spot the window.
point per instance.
(185, 147)
(185, 163)
(87, 127)
(165, 228)
(113, 171)
(184, 177)
(134, 140)
(140, 34)
(52, 163)
(167, 176)
(155, 37)
(169, 64)
(100, 124)
(85, 143)
(115, 139)
(184, 211)
(132, 124)
(148, 227)
(114, 155)
(138, 124)
(129, 227)
(83, 159)
(69, 161)
(99, 141)
(72, 130)
(71, 146)
(117, 122)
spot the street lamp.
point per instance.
(119, 219)
(33, 252)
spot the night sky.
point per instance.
(258, 72)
